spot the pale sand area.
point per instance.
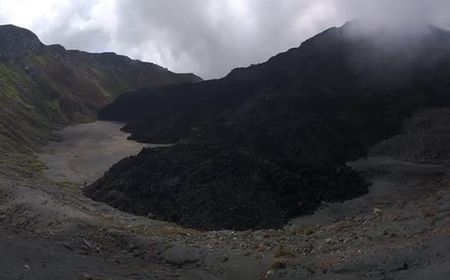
(84, 152)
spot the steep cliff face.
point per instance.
(44, 87)
(16, 42)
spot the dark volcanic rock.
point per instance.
(174, 111)
(212, 189)
(337, 67)
(271, 140)
(424, 136)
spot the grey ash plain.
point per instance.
(80, 154)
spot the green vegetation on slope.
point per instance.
(43, 88)
(26, 120)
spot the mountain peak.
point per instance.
(16, 42)
(368, 28)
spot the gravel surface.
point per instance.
(400, 230)
(84, 152)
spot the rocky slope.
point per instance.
(399, 230)
(313, 107)
(213, 189)
(44, 87)
(424, 137)
(337, 68)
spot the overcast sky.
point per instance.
(207, 37)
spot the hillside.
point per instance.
(276, 134)
(253, 153)
(44, 87)
(424, 137)
(330, 69)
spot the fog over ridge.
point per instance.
(207, 37)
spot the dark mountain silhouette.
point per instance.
(269, 142)
(320, 67)
(43, 87)
(17, 42)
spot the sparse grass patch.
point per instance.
(68, 185)
(306, 230)
(21, 164)
(284, 252)
(150, 229)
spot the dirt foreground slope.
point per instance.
(400, 230)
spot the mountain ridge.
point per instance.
(277, 134)
(298, 67)
(16, 42)
(47, 87)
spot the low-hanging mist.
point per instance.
(208, 38)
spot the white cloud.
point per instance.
(208, 37)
